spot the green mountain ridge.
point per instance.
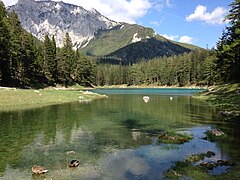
(147, 49)
(129, 43)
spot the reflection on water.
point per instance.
(113, 138)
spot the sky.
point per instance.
(198, 22)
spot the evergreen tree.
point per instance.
(100, 78)
(85, 72)
(5, 72)
(53, 65)
(66, 62)
(28, 59)
(209, 72)
(16, 50)
(228, 48)
(62, 67)
(183, 71)
(50, 63)
(54, 47)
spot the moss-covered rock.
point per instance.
(213, 164)
(188, 170)
(184, 170)
(198, 157)
(171, 137)
(214, 135)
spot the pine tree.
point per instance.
(209, 73)
(85, 72)
(28, 59)
(53, 65)
(5, 72)
(66, 62)
(50, 63)
(61, 68)
(228, 48)
(16, 51)
(70, 56)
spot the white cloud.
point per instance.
(215, 17)
(171, 37)
(119, 10)
(9, 2)
(183, 39)
(161, 4)
(155, 23)
(186, 39)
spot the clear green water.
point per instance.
(112, 138)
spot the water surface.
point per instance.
(113, 138)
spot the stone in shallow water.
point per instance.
(217, 132)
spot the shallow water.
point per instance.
(113, 138)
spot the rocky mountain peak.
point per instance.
(58, 18)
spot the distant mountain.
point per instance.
(57, 18)
(93, 33)
(129, 43)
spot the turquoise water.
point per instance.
(149, 91)
(113, 138)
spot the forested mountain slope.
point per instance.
(129, 43)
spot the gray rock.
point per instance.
(58, 18)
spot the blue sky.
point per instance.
(194, 21)
(198, 22)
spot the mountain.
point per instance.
(93, 33)
(57, 18)
(129, 43)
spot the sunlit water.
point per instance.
(113, 138)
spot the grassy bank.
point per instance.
(226, 97)
(14, 99)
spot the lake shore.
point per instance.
(226, 98)
(15, 99)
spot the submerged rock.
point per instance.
(210, 154)
(70, 152)
(146, 99)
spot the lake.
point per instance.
(113, 138)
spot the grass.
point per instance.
(226, 97)
(105, 43)
(14, 99)
(171, 137)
